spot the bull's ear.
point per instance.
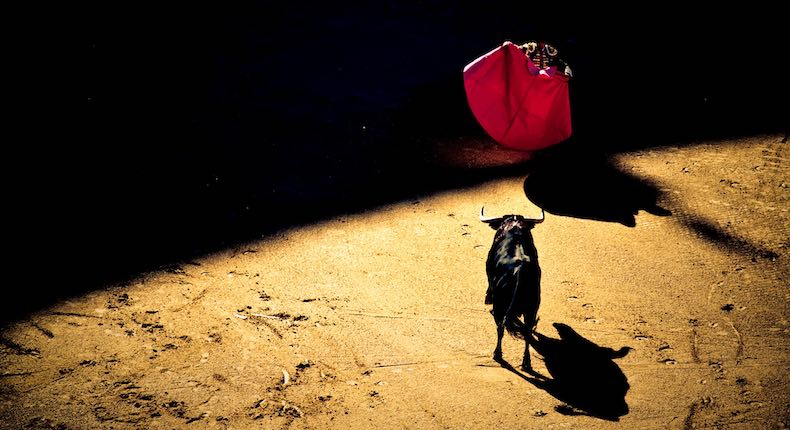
(494, 223)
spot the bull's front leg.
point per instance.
(500, 332)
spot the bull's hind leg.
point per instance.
(532, 302)
(530, 321)
(526, 362)
(500, 332)
(527, 332)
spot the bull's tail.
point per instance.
(512, 324)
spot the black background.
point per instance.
(209, 126)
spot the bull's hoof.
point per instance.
(498, 357)
(527, 367)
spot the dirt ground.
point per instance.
(376, 319)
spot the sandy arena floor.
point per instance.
(376, 320)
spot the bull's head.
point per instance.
(496, 222)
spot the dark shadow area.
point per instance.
(209, 126)
(726, 240)
(571, 179)
(566, 180)
(583, 375)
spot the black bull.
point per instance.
(513, 280)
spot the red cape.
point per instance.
(518, 105)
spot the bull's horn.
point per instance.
(489, 219)
(539, 220)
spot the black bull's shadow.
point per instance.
(583, 375)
